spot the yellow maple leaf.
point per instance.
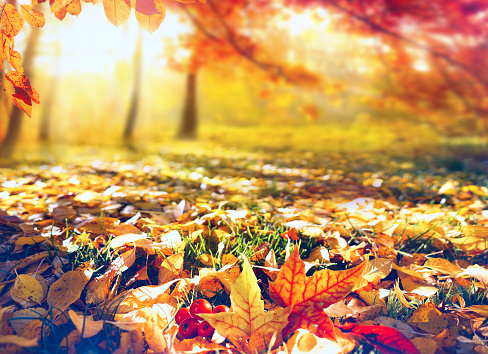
(249, 316)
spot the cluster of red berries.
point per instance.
(189, 321)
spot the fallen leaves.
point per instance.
(140, 253)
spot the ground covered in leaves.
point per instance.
(312, 253)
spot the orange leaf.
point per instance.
(309, 296)
(57, 5)
(116, 11)
(74, 7)
(24, 93)
(32, 17)
(11, 20)
(15, 59)
(151, 22)
(248, 317)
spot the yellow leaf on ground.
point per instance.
(171, 268)
(442, 265)
(428, 319)
(158, 319)
(400, 296)
(22, 318)
(27, 288)
(68, 288)
(99, 288)
(375, 270)
(425, 345)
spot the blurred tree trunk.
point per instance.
(45, 124)
(130, 122)
(16, 115)
(189, 122)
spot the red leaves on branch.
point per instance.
(24, 93)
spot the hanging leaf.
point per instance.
(116, 11)
(151, 22)
(11, 20)
(32, 17)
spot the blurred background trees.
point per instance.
(398, 71)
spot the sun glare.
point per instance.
(91, 44)
(299, 23)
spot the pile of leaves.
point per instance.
(311, 257)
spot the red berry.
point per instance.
(221, 308)
(189, 328)
(182, 315)
(200, 306)
(205, 330)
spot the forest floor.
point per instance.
(99, 253)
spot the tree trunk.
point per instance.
(189, 122)
(45, 124)
(128, 137)
(16, 115)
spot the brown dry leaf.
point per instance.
(421, 231)
(413, 285)
(171, 268)
(27, 288)
(127, 239)
(372, 298)
(442, 265)
(339, 309)
(98, 289)
(158, 319)
(319, 255)
(85, 324)
(477, 272)
(228, 258)
(144, 296)
(428, 319)
(212, 281)
(400, 296)
(481, 310)
(401, 326)
(68, 288)
(375, 270)
(425, 345)
(20, 341)
(305, 342)
(474, 239)
(22, 318)
(208, 260)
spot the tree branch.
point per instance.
(232, 41)
(413, 43)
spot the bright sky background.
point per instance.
(89, 43)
